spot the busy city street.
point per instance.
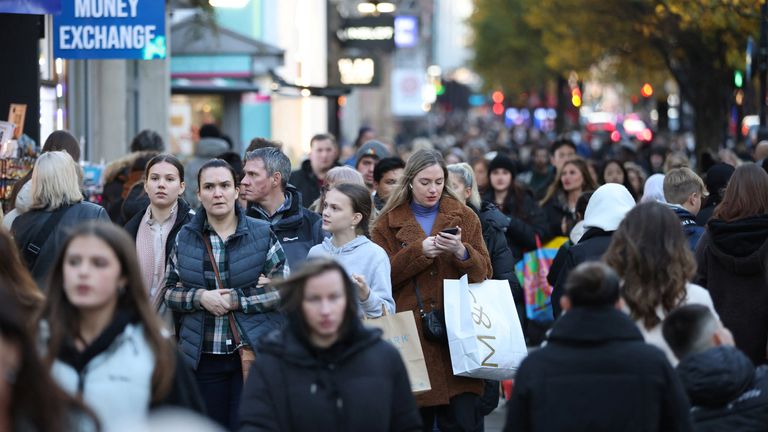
(384, 215)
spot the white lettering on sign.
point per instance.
(106, 8)
(106, 37)
(381, 33)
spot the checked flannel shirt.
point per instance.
(217, 337)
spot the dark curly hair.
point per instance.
(650, 253)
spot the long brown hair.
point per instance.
(418, 161)
(746, 194)
(35, 397)
(651, 254)
(15, 277)
(557, 185)
(64, 318)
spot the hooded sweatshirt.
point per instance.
(363, 257)
(605, 211)
(732, 264)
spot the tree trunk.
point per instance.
(710, 98)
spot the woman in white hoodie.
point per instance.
(346, 213)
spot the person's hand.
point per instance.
(429, 247)
(217, 302)
(451, 244)
(263, 280)
(363, 291)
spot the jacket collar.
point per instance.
(78, 360)
(197, 223)
(402, 218)
(587, 325)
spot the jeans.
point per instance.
(220, 379)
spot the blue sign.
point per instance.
(406, 31)
(110, 29)
(35, 7)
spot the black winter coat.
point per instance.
(732, 260)
(590, 247)
(297, 229)
(596, 373)
(26, 226)
(726, 392)
(521, 232)
(502, 261)
(555, 211)
(306, 182)
(359, 384)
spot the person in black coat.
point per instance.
(310, 177)
(596, 373)
(732, 260)
(525, 219)
(726, 391)
(57, 205)
(716, 181)
(494, 224)
(325, 371)
(605, 211)
(162, 217)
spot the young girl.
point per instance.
(560, 202)
(346, 215)
(325, 371)
(105, 344)
(156, 227)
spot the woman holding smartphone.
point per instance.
(431, 235)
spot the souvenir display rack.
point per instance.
(11, 170)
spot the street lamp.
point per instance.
(375, 7)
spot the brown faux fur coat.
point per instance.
(400, 235)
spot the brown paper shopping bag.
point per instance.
(400, 331)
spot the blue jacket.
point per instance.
(692, 230)
(247, 252)
(297, 230)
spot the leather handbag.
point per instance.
(247, 355)
(432, 322)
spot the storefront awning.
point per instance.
(193, 39)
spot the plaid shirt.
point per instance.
(217, 337)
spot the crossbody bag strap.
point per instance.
(32, 248)
(418, 297)
(230, 315)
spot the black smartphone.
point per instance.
(454, 230)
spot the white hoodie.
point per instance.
(607, 207)
(363, 257)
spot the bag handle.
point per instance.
(230, 315)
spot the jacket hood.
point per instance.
(716, 376)
(490, 214)
(117, 166)
(287, 346)
(211, 147)
(587, 325)
(654, 189)
(686, 217)
(608, 206)
(741, 245)
(345, 249)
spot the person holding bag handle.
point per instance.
(218, 281)
(411, 230)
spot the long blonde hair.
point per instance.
(418, 162)
(55, 181)
(467, 176)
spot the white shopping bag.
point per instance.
(485, 338)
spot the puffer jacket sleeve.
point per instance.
(503, 264)
(405, 415)
(258, 411)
